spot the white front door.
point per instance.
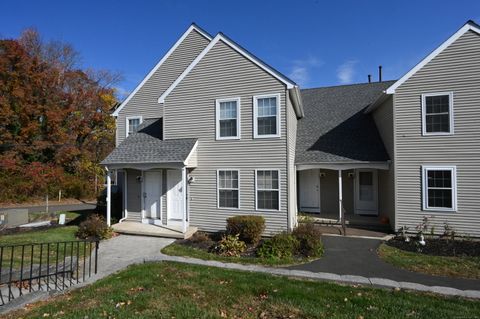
(366, 192)
(153, 194)
(309, 182)
(174, 195)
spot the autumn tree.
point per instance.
(55, 123)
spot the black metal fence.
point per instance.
(25, 268)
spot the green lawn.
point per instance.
(176, 249)
(66, 233)
(465, 267)
(171, 290)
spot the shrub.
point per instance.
(308, 235)
(249, 227)
(94, 227)
(230, 246)
(201, 240)
(283, 245)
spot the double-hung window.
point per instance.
(228, 188)
(266, 110)
(439, 188)
(267, 190)
(228, 119)
(133, 122)
(437, 114)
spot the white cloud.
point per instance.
(300, 72)
(121, 93)
(346, 71)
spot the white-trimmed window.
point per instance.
(439, 188)
(228, 188)
(132, 124)
(266, 116)
(437, 113)
(228, 119)
(267, 189)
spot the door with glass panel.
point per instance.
(366, 192)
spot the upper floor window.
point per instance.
(133, 122)
(266, 111)
(228, 119)
(228, 188)
(267, 189)
(439, 188)
(437, 114)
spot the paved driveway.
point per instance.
(358, 256)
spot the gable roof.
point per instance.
(147, 147)
(192, 27)
(468, 26)
(335, 128)
(221, 37)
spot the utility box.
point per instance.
(13, 217)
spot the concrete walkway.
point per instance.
(358, 256)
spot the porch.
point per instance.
(136, 228)
(152, 176)
(356, 196)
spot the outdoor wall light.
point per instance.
(139, 179)
(191, 179)
(351, 175)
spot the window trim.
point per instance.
(255, 115)
(424, 114)
(127, 125)
(218, 188)
(425, 169)
(217, 118)
(279, 190)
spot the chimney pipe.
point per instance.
(369, 78)
(379, 73)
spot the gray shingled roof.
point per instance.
(147, 147)
(335, 128)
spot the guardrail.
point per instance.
(25, 268)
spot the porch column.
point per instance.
(340, 195)
(109, 197)
(184, 199)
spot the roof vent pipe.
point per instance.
(379, 73)
(369, 78)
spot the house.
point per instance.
(213, 131)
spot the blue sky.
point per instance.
(317, 43)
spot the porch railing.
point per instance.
(25, 268)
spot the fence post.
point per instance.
(96, 255)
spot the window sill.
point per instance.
(266, 136)
(440, 210)
(227, 138)
(438, 134)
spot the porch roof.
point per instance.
(146, 146)
(336, 130)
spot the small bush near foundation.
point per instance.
(308, 235)
(249, 228)
(283, 245)
(230, 246)
(94, 227)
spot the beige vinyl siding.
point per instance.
(145, 101)
(189, 111)
(383, 117)
(457, 70)
(291, 141)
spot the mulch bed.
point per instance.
(206, 242)
(438, 246)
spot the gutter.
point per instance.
(297, 102)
